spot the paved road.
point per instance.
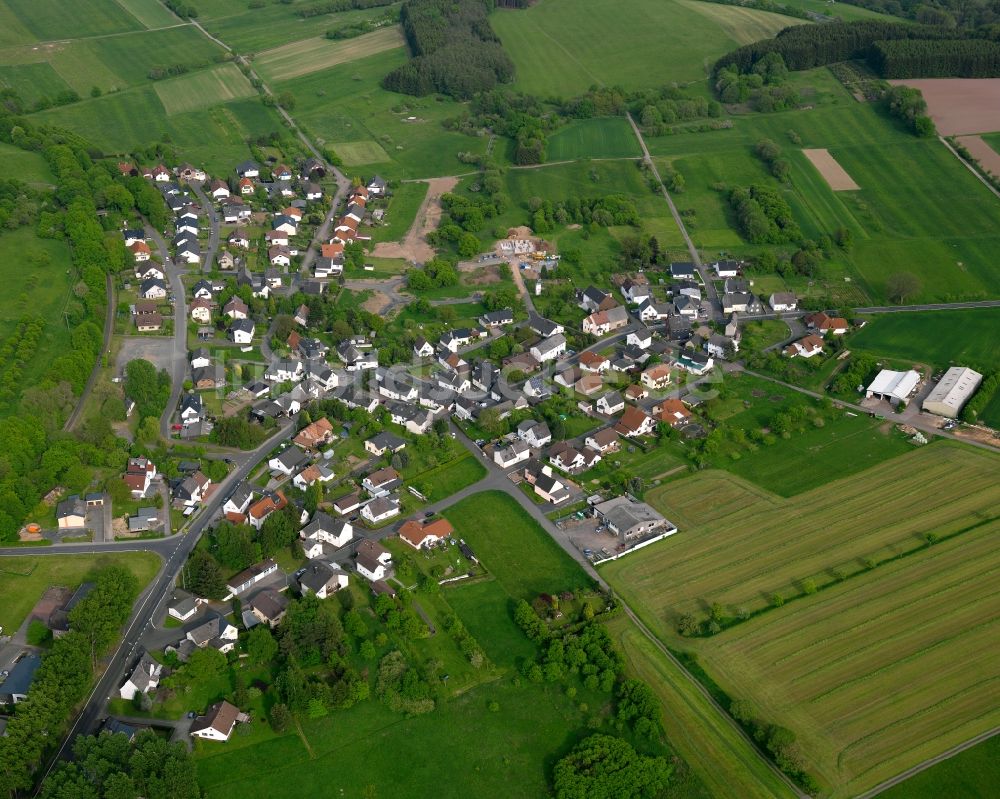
(213, 226)
(109, 322)
(178, 354)
(177, 549)
(322, 235)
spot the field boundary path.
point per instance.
(932, 761)
(109, 320)
(710, 290)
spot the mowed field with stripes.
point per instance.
(893, 659)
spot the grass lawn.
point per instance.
(944, 237)
(27, 166)
(443, 481)
(487, 611)
(609, 137)
(523, 557)
(23, 579)
(402, 210)
(939, 338)
(866, 673)
(561, 47)
(971, 774)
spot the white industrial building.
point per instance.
(953, 391)
(893, 387)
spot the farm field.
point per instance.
(945, 237)
(23, 580)
(609, 137)
(204, 89)
(312, 55)
(971, 774)
(55, 19)
(938, 338)
(867, 672)
(215, 137)
(346, 104)
(110, 63)
(561, 47)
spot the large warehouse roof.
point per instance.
(953, 391)
(897, 385)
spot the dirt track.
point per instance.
(960, 105)
(414, 246)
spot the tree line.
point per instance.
(891, 49)
(455, 51)
(335, 6)
(64, 677)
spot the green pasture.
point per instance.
(24, 579)
(303, 57)
(346, 104)
(215, 138)
(57, 19)
(843, 11)
(965, 337)
(32, 82)
(513, 547)
(109, 63)
(563, 47)
(608, 137)
(12, 28)
(918, 210)
(254, 30)
(151, 15)
(355, 153)
(972, 774)
(203, 89)
(25, 165)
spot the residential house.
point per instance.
(324, 529)
(218, 722)
(239, 238)
(497, 318)
(377, 186)
(193, 488)
(535, 434)
(216, 632)
(696, 363)
(288, 461)
(268, 607)
(636, 292)
(634, 393)
(548, 486)
(422, 348)
(373, 560)
(671, 411)
(545, 328)
(322, 578)
(380, 509)
(235, 308)
(724, 269)
(17, 684)
(140, 251)
(71, 513)
(314, 473)
(592, 362)
(148, 322)
(239, 500)
(549, 349)
(248, 169)
(153, 289)
(192, 410)
(601, 323)
(650, 312)
(823, 324)
(805, 347)
(634, 422)
(686, 306)
(347, 504)
(383, 443)
(593, 299)
(611, 403)
(719, 346)
(201, 311)
(640, 338)
(219, 190)
(517, 452)
(783, 301)
(144, 679)
(241, 331)
(258, 512)
(424, 535)
(139, 475)
(183, 605)
(683, 270)
(603, 441)
(150, 270)
(656, 377)
(315, 435)
(285, 370)
(565, 456)
(381, 482)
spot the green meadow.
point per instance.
(918, 210)
(609, 137)
(563, 47)
(46, 20)
(940, 338)
(24, 165)
(203, 89)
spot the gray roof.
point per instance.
(317, 575)
(21, 676)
